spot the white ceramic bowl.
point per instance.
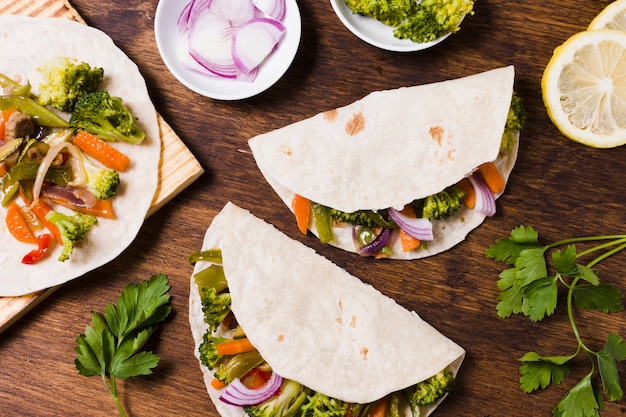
(270, 71)
(376, 33)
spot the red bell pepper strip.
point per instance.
(43, 243)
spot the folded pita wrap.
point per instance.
(392, 148)
(26, 44)
(313, 322)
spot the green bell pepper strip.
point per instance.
(239, 365)
(209, 255)
(323, 222)
(212, 277)
(9, 184)
(14, 89)
(40, 115)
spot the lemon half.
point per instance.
(612, 16)
(584, 88)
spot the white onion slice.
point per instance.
(236, 393)
(254, 41)
(210, 40)
(485, 201)
(419, 227)
(275, 9)
(78, 170)
(235, 11)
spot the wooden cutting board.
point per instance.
(178, 167)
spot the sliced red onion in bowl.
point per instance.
(210, 42)
(485, 201)
(419, 228)
(236, 393)
(235, 11)
(275, 9)
(254, 41)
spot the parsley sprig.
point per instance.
(528, 288)
(111, 346)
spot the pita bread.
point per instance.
(285, 296)
(26, 44)
(393, 147)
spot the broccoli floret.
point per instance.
(430, 390)
(320, 405)
(101, 181)
(443, 204)
(215, 306)
(207, 350)
(65, 81)
(389, 12)
(363, 218)
(287, 403)
(515, 121)
(72, 228)
(107, 117)
(420, 22)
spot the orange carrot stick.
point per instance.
(40, 209)
(17, 224)
(380, 409)
(470, 198)
(234, 346)
(491, 176)
(302, 210)
(408, 242)
(217, 384)
(101, 151)
(102, 208)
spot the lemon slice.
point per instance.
(612, 16)
(584, 88)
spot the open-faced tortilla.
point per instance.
(394, 147)
(27, 43)
(313, 322)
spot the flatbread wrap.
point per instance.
(28, 43)
(406, 157)
(312, 323)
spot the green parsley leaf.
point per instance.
(111, 345)
(508, 249)
(540, 371)
(614, 350)
(540, 297)
(605, 298)
(580, 401)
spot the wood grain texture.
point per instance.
(561, 188)
(177, 169)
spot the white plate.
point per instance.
(270, 71)
(376, 33)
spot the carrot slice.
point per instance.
(380, 409)
(217, 384)
(101, 151)
(17, 224)
(408, 242)
(102, 208)
(40, 209)
(302, 210)
(470, 198)
(234, 346)
(4, 116)
(490, 174)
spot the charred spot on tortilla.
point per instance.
(436, 132)
(353, 322)
(286, 150)
(356, 124)
(363, 352)
(280, 338)
(330, 115)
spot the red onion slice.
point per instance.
(275, 9)
(485, 201)
(236, 393)
(78, 169)
(254, 41)
(235, 11)
(210, 40)
(419, 228)
(376, 245)
(76, 196)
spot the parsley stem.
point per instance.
(616, 238)
(112, 388)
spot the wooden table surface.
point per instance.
(561, 188)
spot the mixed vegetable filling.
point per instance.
(373, 230)
(48, 162)
(247, 381)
